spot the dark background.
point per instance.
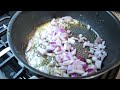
(60, 5)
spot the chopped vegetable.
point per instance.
(52, 50)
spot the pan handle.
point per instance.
(4, 51)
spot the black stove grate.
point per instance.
(9, 64)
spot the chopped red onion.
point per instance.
(97, 52)
(62, 30)
(98, 64)
(73, 52)
(70, 56)
(90, 55)
(98, 40)
(65, 58)
(60, 49)
(85, 74)
(94, 58)
(58, 58)
(67, 46)
(63, 67)
(74, 75)
(85, 66)
(54, 33)
(52, 42)
(87, 44)
(42, 51)
(69, 68)
(61, 46)
(78, 71)
(81, 58)
(68, 31)
(50, 48)
(90, 70)
(68, 62)
(88, 61)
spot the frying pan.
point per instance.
(22, 24)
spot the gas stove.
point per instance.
(11, 68)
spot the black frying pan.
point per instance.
(21, 29)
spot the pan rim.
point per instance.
(44, 74)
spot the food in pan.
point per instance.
(52, 50)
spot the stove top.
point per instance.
(11, 68)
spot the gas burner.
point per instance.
(11, 68)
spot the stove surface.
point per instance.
(9, 66)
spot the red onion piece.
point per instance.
(74, 75)
(58, 58)
(90, 70)
(52, 42)
(60, 49)
(62, 30)
(81, 58)
(98, 40)
(55, 33)
(68, 31)
(69, 68)
(70, 55)
(85, 66)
